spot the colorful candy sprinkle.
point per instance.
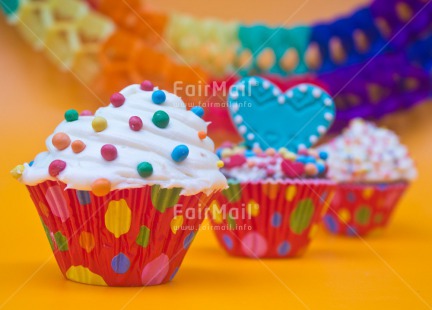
(145, 169)
(61, 141)
(56, 167)
(71, 115)
(117, 99)
(147, 86)
(160, 119)
(99, 124)
(202, 135)
(78, 146)
(311, 169)
(86, 113)
(220, 164)
(109, 152)
(198, 111)
(17, 171)
(101, 187)
(158, 97)
(135, 123)
(180, 153)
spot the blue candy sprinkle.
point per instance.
(198, 111)
(219, 152)
(120, 263)
(31, 163)
(323, 155)
(249, 153)
(301, 159)
(310, 159)
(180, 153)
(158, 97)
(321, 167)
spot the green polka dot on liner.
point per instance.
(378, 218)
(301, 217)
(164, 198)
(362, 215)
(48, 234)
(143, 236)
(231, 222)
(233, 192)
(61, 241)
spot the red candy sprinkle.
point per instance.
(147, 86)
(117, 99)
(135, 123)
(56, 167)
(303, 152)
(109, 152)
(292, 169)
(86, 113)
(234, 161)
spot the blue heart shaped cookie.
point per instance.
(267, 117)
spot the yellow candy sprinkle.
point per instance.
(17, 171)
(220, 164)
(99, 124)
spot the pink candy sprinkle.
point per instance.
(117, 99)
(86, 113)
(147, 86)
(109, 152)
(56, 167)
(135, 123)
(270, 172)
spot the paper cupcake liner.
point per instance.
(358, 209)
(130, 237)
(269, 219)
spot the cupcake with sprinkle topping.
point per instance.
(114, 188)
(373, 170)
(278, 186)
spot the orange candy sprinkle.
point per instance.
(78, 146)
(202, 135)
(101, 187)
(61, 141)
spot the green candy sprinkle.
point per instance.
(145, 169)
(71, 115)
(160, 119)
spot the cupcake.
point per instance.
(278, 189)
(121, 193)
(373, 170)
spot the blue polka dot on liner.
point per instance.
(198, 111)
(120, 263)
(351, 231)
(188, 240)
(83, 197)
(351, 197)
(174, 273)
(330, 223)
(228, 241)
(276, 219)
(284, 248)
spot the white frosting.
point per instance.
(197, 173)
(366, 153)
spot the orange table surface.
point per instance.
(392, 270)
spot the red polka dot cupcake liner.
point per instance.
(359, 209)
(269, 219)
(130, 237)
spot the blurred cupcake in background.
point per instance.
(113, 189)
(278, 187)
(274, 202)
(373, 170)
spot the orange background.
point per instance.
(390, 270)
